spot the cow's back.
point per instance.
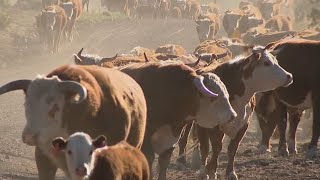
(115, 104)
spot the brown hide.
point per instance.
(171, 49)
(169, 91)
(193, 9)
(213, 47)
(112, 108)
(121, 161)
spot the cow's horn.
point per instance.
(73, 86)
(109, 59)
(145, 57)
(198, 82)
(80, 52)
(15, 85)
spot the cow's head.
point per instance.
(49, 17)
(263, 73)
(44, 105)
(204, 28)
(91, 59)
(214, 109)
(79, 150)
(267, 9)
(231, 21)
(68, 8)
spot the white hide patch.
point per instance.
(163, 139)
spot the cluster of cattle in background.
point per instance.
(147, 101)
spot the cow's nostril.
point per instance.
(289, 76)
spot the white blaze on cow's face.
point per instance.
(79, 151)
(215, 110)
(267, 73)
(68, 8)
(43, 109)
(50, 18)
(203, 28)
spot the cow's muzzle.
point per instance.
(81, 171)
(288, 81)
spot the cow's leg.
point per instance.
(267, 126)
(232, 150)
(148, 152)
(46, 169)
(181, 161)
(216, 137)
(164, 161)
(204, 150)
(282, 125)
(195, 158)
(294, 119)
(312, 149)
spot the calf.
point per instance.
(93, 159)
(75, 98)
(243, 78)
(207, 26)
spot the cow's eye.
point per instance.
(69, 152)
(90, 153)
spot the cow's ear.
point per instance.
(99, 141)
(59, 144)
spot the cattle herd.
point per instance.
(107, 117)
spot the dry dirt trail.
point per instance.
(17, 159)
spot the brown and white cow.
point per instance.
(243, 78)
(75, 98)
(213, 47)
(207, 26)
(178, 97)
(297, 55)
(279, 23)
(91, 59)
(51, 24)
(92, 159)
(73, 9)
(171, 49)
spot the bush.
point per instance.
(4, 19)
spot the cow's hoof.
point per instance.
(202, 173)
(263, 149)
(283, 152)
(232, 176)
(292, 147)
(181, 166)
(195, 160)
(312, 153)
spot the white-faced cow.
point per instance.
(207, 26)
(243, 77)
(92, 159)
(73, 9)
(91, 59)
(179, 97)
(76, 98)
(51, 24)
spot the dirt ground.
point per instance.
(21, 56)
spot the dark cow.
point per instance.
(207, 26)
(93, 159)
(179, 97)
(75, 98)
(230, 22)
(297, 55)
